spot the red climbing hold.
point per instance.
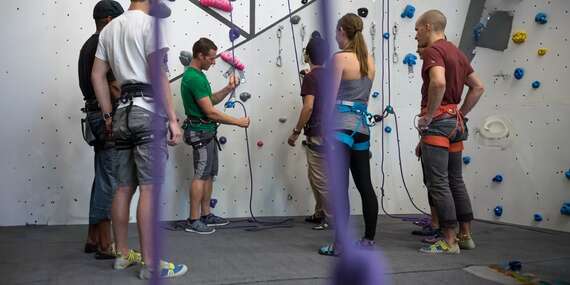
(259, 143)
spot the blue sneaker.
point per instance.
(199, 227)
(212, 220)
(167, 270)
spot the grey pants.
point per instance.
(444, 178)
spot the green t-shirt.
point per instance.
(195, 86)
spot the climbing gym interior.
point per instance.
(515, 162)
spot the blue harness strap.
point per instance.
(360, 109)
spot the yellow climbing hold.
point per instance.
(519, 37)
(542, 51)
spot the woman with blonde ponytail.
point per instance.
(353, 75)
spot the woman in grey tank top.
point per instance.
(353, 74)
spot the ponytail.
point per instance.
(361, 51)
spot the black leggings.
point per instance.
(359, 164)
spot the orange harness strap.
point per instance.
(440, 141)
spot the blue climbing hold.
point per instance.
(541, 18)
(223, 140)
(213, 202)
(230, 104)
(537, 217)
(388, 129)
(519, 73)
(389, 109)
(498, 211)
(565, 210)
(567, 174)
(410, 59)
(234, 34)
(536, 84)
(408, 12)
(375, 94)
(386, 35)
(466, 160)
(498, 178)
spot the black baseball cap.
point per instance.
(107, 8)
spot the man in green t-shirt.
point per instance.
(200, 132)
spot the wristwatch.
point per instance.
(107, 116)
(296, 131)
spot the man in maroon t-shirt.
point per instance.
(445, 72)
(316, 54)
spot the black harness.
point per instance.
(128, 92)
(204, 142)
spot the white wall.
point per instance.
(47, 169)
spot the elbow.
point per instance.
(439, 84)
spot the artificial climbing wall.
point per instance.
(533, 163)
(47, 169)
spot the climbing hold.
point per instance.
(498, 178)
(244, 96)
(567, 174)
(498, 211)
(389, 109)
(541, 18)
(289, 197)
(213, 202)
(565, 210)
(466, 160)
(363, 12)
(295, 19)
(259, 143)
(223, 140)
(542, 51)
(185, 57)
(536, 84)
(408, 12)
(375, 94)
(386, 35)
(410, 59)
(228, 57)
(234, 34)
(519, 73)
(388, 129)
(304, 1)
(537, 217)
(282, 120)
(223, 5)
(515, 265)
(519, 37)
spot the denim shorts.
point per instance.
(134, 165)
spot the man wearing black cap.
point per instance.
(103, 187)
(128, 46)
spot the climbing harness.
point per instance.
(128, 93)
(366, 119)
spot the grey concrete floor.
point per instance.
(53, 255)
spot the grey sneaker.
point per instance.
(212, 220)
(167, 270)
(199, 227)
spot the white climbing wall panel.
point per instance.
(47, 168)
(533, 165)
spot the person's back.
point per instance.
(457, 69)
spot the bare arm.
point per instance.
(101, 85)
(436, 90)
(115, 90)
(476, 89)
(306, 112)
(218, 116)
(219, 96)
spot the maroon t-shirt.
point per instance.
(311, 86)
(457, 68)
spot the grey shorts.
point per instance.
(205, 156)
(134, 165)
